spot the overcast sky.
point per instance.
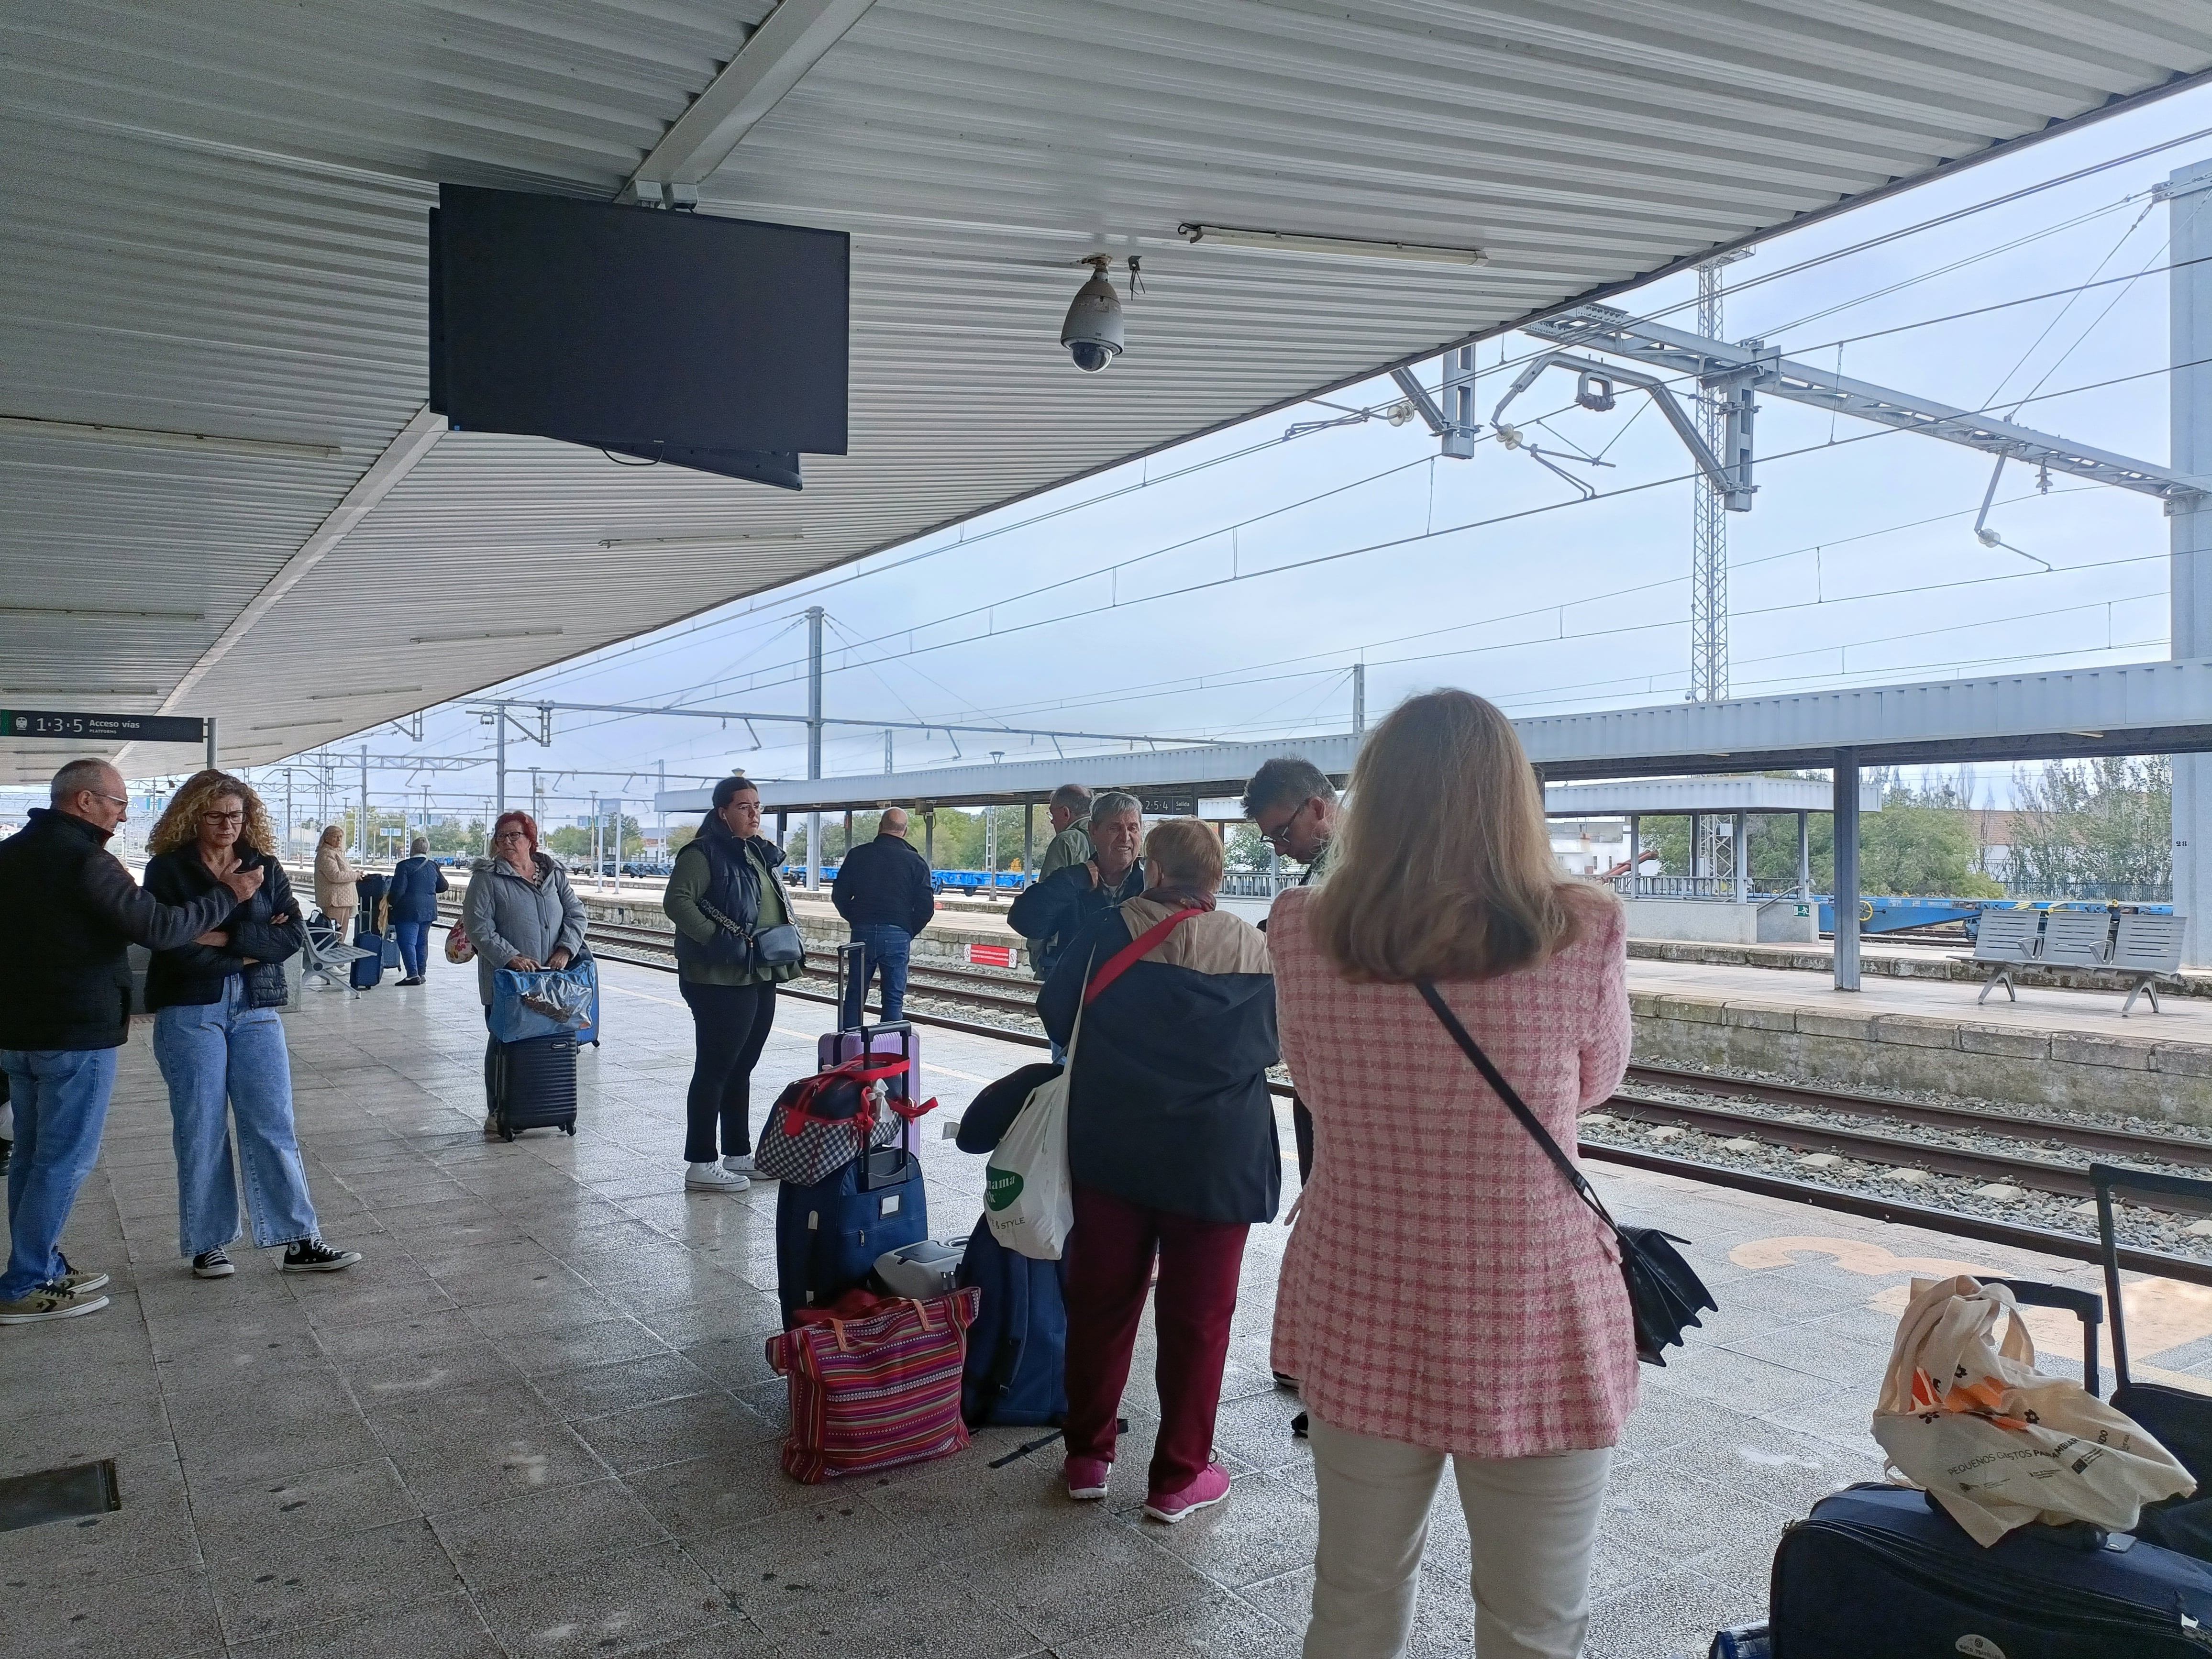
(1858, 564)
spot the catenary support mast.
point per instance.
(2188, 193)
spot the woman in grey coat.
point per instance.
(520, 911)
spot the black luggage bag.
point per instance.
(1879, 1569)
(828, 1235)
(532, 1084)
(2180, 1419)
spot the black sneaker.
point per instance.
(1299, 1425)
(312, 1255)
(213, 1264)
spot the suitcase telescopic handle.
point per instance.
(2107, 1179)
(2085, 1305)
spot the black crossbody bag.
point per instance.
(1664, 1292)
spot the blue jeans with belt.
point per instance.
(221, 1060)
(60, 1096)
(885, 948)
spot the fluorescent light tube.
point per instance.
(1285, 241)
(728, 539)
(212, 443)
(485, 634)
(95, 613)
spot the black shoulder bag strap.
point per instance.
(1664, 1292)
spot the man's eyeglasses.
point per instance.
(1280, 833)
(120, 800)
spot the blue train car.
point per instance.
(1889, 913)
(976, 881)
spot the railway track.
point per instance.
(652, 948)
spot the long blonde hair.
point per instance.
(180, 825)
(1443, 867)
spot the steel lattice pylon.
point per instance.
(1709, 653)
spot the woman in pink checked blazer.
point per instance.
(1445, 1293)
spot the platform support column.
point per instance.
(813, 742)
(1804, 856)
(1742, 860)
(929, 839)
(1028, 839)
(1697, 860)
(499, 765)
(2189, 196)
(1847, 870)
(210, 743)
(1634, 855)
(367, 846)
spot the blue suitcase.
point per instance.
(828, 1235)
(368, 971)
(1882, 1570)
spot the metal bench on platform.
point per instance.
(2149, 949)
(328, 958)
(2146, 948)
(2003, 940)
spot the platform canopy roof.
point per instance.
(2129, 709)
(214, 229)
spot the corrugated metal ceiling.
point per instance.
(213, 218)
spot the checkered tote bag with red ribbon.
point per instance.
(875, 1382)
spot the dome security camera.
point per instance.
(1093, 332)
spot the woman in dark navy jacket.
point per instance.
(1171, 1142)
(416, 884)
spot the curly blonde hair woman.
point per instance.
(180, 825)
(217, 1038)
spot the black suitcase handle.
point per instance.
(2085, 1305)
(2109, 1178)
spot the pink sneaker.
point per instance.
(1086, 1478)
(1209, 1489)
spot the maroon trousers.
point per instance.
(1109, 1266)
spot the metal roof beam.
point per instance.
(774, 58)
(1675, 351)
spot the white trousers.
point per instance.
(1533, 1521)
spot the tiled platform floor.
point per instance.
(537, 1420)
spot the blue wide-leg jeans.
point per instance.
(223, 1060)
(60, 1096)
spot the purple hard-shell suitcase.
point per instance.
(895, 1037)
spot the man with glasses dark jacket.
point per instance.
(65, 1009)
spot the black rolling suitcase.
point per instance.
(828, 1234)
(1883, 1571)
(532, 1084)
(2180, 1418)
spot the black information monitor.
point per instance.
(101, 727)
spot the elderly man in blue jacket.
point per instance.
(883, 891)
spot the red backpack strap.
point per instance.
(1134, 952)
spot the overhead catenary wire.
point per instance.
(1938, 221)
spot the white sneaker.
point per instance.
(741, 1164)
(713, 1178)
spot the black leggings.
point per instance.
(729, 1026)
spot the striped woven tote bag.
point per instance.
(874, 1382)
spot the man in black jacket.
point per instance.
(883, 890)
(65, 1009)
